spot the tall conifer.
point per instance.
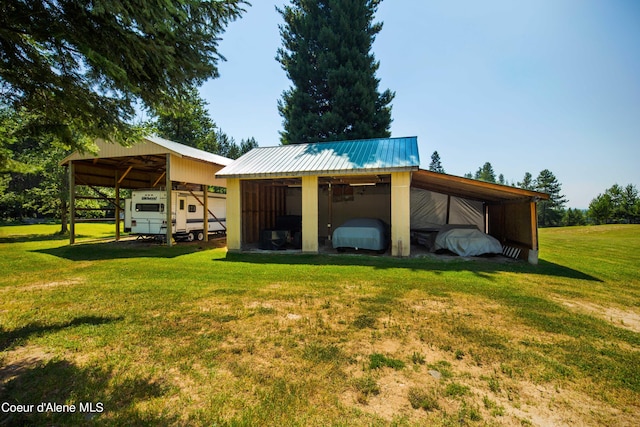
(327, 55)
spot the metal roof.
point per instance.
(150, 145)
(472, 189)
(186, 151)
(142, 165)
(381, 155)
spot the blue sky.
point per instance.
(527, 85)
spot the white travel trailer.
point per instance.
(147, 213)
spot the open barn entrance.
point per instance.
(154, 164)
(272, 209)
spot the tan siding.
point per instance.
(309, 214)
(192, 171)
(234, 217)
(400, 214)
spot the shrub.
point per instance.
(422, 399)
(377, 361)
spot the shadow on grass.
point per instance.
(96, 393)
(480, 266)
(33, 238)
(123, 249)
(9, 338)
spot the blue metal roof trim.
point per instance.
(368, 155)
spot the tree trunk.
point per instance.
(64, 227)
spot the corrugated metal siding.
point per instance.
(364, 156)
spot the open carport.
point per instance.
(324, 184)
(507, 213)
(153, 163)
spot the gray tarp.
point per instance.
(467, 242)
(429, 210)
(361, 233)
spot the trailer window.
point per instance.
(192, 208)
(149, 207)
(181, 204)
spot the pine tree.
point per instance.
(436, 165)
(191, 125)
(600, 209)
(527, 182)
(550, 211)
(573, 217)
(327, 56)
(87, 66)
(486, 173)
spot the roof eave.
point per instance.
(295, 174)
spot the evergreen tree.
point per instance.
(573, 217)
(436, 165)
(527, 182)
(189, 123)
(327, 56)
(88, 65)
(600, 209)
(550, 211)
(486, 173)
(616, 205)
(247, 145)
(631, 204)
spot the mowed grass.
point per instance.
(191, 335)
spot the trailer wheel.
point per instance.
(190, 236)
(200, 236)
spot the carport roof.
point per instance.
(142, 165)
(149, 146)
(381, 155)
(472, 189)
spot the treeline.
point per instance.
(33, 185)
(551, 212)
(616, 205)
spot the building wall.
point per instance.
(365, 201)
(262, 203)
(192, 171)
(514, 224)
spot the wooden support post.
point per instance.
(533, 252)
(205, 195)
(118, 206)
(310, 214)
(234, 214)
(400, 214)
(167, 206)
(330, 222)
(72, 203)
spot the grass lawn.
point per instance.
(139, 334)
